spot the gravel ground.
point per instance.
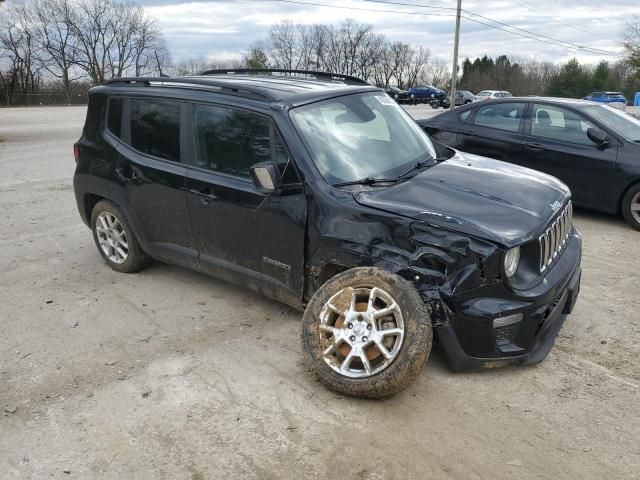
(172, 374)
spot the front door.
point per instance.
(556, 143)
(494, 130)
(241, 234)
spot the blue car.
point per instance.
(614, 99)
(424, 94)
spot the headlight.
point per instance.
(511, 261)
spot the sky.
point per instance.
(223, 29)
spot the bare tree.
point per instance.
(416, 68)
(400, 56)
(18, 50)
(631, 43)
(438, 74)
(283, 44)
(113, 38)
(195, 66)
(57, 45)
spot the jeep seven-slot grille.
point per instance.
(555, 237)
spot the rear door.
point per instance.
(494, 130)
(556, 143)
(148, 178)
(241, 234)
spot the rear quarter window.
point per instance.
(464, 116)
(114, 116)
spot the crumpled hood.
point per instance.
(490, 199)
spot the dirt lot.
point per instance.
(172, 374)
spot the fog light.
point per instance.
(506, 321)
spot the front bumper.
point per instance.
(469, 340)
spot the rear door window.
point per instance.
(501, 116)
(155, 127)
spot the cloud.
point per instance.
(209, 28)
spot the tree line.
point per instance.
(57, 49)
(49, 45)
(349, 48)
(571, 79)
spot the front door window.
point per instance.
(557, 123)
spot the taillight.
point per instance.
(76, 151)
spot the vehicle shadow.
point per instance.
(581, 213)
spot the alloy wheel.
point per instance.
(361, 331)
(112, 238)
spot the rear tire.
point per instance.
(631, 206)
(115, 239)
(345, 324)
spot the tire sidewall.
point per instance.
(416, 344)
(626, 206)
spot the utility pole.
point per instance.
(454, 75)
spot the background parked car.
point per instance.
(463, 97)
(424, 94)
(399, 95)
(491, 95)
(614, 99)
(591, 147)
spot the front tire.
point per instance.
(115, 240)
(631, 206)
(366, 333)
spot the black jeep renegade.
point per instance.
(318, 190)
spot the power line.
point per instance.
(551, 41)
(363, 9)
(525, 34)
(560, 20)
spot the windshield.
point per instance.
(361, 136)
(620, 122)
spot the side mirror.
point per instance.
(597, 136)
(265, 177)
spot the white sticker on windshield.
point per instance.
(385, 100)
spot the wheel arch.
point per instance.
(90, 200)
(631, 184)
(328, 261)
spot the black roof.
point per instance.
(573, 102)
(569, 101)
(294, 87)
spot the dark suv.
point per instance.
(319, 191)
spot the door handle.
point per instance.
(206, 195)
(534, 146)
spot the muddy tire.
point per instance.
(115, 240)
(631, 206)
(366, 333)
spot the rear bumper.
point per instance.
(470, 342)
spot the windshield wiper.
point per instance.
(421, 164)
(366, 181)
